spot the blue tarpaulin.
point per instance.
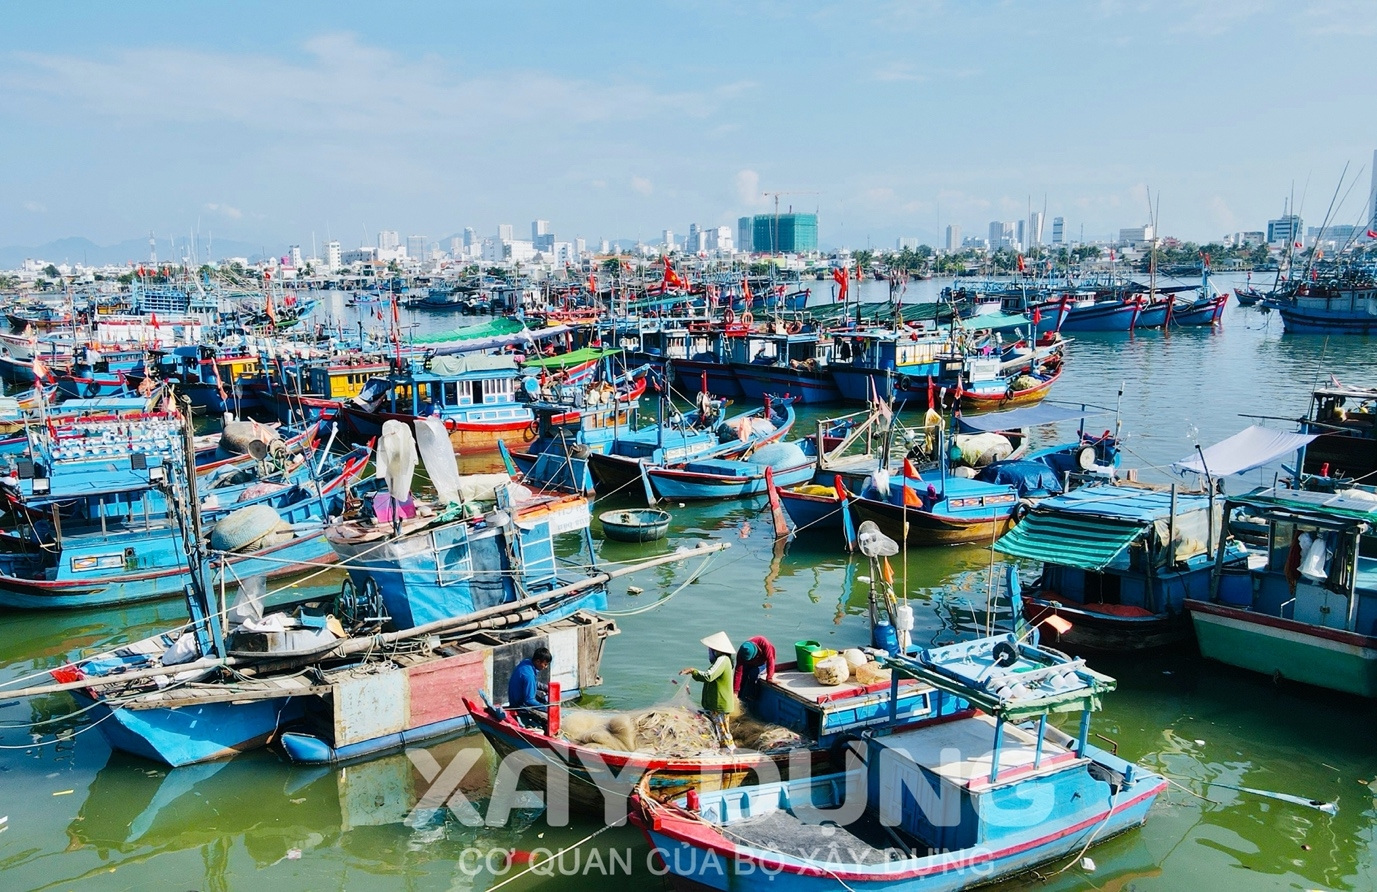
(1026, 477)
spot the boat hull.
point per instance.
(1092, 632)
(722, 383)
(925, 528)
(688, 485)
(857, 384)
(288, 559)
(807, 387)
(185, 735)
(1282, 648)
(1097, 317)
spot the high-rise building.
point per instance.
(906, 243)
(667, 239)
(1034, 230)
(720, 239)
(1136, 236)
(504, 232)
(294, 256)
(1058, 230)
(332, 256)
(416, 247)
(1285, 230)
(388, 239)
(954, 237)
(784, 233)
(1021, 234)
(470, 237)
(744, 231)
(541, 236)
(580, 247)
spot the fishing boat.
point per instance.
(792, 720)
(790, 363)
(1343, 303)
(1118, 563)
(985, 790)
(1343, 420)
(701, 434)
(720, 478)
(1095, 313)
(95, 526)
(1305, 608)
(440, 603)
(1010, 391)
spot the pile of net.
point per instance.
(669, 731)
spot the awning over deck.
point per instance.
(1087, 542)
(1250, 448)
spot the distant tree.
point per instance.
(51, 272)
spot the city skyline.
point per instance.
(875, 116)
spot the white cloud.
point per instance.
(35, 207)
(232, 212)
(748, 188)
(642, 185)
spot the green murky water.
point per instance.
(82, 817)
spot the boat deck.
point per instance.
(803, 686)
(862, 842)
(973, 739)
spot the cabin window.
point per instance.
(477, 387)
(451, 393)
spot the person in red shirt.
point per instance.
(755, 661)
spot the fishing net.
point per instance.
(676, 728)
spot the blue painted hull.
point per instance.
(190, 734)
(722, 382)
(809, 388)
(1309, 322)
(1109, 316)
(673, 484)
(812, 512)
(753, 870)
(171, 582)
(854, 383)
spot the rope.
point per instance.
(693, 577)
(534, 864)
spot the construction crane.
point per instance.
(774, 230)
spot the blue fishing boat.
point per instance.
(790, 363)
(1340, 303)
(441, 602)
(1095, 313)
(984, 790)
(96, 527)
(1118, 563)
(700, 434)
(717, 478)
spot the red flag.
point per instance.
(932, 393)
(1206, 258)
(746, 290)
(1111, 255)
(155, 321)
(592, 284)
(268, 308)
(1372, 233)
(1037, 315)
(1298, 244)
(839, 276)
(858, 272)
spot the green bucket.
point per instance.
(806, 651)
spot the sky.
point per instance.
(278, 122)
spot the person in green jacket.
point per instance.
(719, 701)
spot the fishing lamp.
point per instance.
(157, 474)
(42, 486)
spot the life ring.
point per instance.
(92, 390)
(747, 318)
(728, 316)
(529, 434)
(1010, 391)
(794, 327)
(904, 383)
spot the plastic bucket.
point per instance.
(806, 652)
(1236, 587)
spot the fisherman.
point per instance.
(755, 662)
(527, 696)
(719, 702)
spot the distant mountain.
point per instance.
(77, 249)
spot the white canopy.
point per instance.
(1250, 448)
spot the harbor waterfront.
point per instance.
(77, 815)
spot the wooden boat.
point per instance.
(701, 434)
(1024, 389)
(938, 816)
(716, 478)
(1302, 612)
(1341, 305)
(437, 607)
(1118, 562)
(821, 716)
(1343, 421)
(640, 525)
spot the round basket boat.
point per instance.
(641, 525)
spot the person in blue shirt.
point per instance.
(527, 695)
